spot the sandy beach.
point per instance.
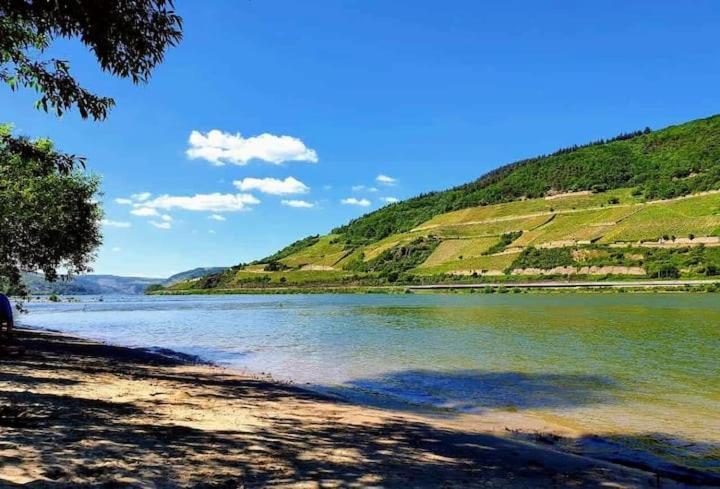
(75, 413)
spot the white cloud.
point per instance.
(123, 201)
(161, 225)
(212, 231)
(115, 224)
(272, 186)
(166, 218)
(386, 180)
(390, 200)
(141, 197)
(298, 204)
(354, 201)
(219, 148)
(117, 249)
(215, 202)
(216, 217)
(360, 188)
(144, 211)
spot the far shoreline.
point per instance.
(585, 286)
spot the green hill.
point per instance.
(643, 204)
(656, 164)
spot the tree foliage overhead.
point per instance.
(129, 38)
(674, 161)
(49, 219)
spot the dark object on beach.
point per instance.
(6, 329)
(6, 316)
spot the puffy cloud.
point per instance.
(115, 224)
(386, 180)
(272, 186)
(215, 202)
(144, 211)
(161, 224)
(216, 217)
(219, 148)
(123, 201)
(166, 218)
(299, 204)
(141, 197)
(354, 201)
(390, 200)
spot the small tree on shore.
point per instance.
(49, 218)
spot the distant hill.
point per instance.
(108, 284)
(89, 284)
(191, 274)
(644, 204)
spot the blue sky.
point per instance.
(430, 94)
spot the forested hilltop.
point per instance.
(644, 204)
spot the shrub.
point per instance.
(544, 258)
(664, 270)
(711, 270)
(505, 240)
(402, 257)
(275, 266)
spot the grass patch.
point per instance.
(459, 249)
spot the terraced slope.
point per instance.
(610, 234)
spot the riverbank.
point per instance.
(78, 413)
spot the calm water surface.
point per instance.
(629, 363)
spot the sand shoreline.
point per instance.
(84, 413)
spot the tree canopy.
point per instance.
(129, 38)
(49, 219)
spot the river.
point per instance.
(645, 365)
